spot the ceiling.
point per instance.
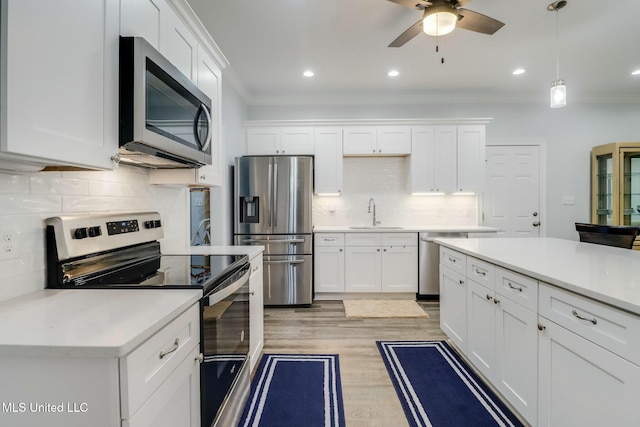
(270, 43)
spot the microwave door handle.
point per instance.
(195, 127)
(207, 140)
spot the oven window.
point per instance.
(172, 111)
(225, 347)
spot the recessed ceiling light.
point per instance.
(393, 73)
(635, 73)
(518, 71)
(308, 73)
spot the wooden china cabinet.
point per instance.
(615, 184)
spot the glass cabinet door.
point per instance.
(630, 188)
(604, 189)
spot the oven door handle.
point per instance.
(215, 297)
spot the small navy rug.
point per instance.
(295, 390)
(437, 388)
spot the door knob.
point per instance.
(536, 224)
(535, 214)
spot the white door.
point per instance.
(511, 200)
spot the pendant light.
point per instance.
(558, 87)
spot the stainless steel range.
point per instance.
(122, 251)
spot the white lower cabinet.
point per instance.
(558, 358)
(256, 311)
(453, 306)
(381, 262)
(156, 384)
(328, 252)
(582, 384)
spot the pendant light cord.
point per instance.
(557, 47)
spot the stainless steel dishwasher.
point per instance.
(429, 261)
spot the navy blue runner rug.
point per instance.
(437, 388)
(295, 390)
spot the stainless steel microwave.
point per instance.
(165, 120)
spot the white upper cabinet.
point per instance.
(280, 141)
(328, 160)
(179, 46)
(59, 84)
(471, 158)
(447, 159)
(377, 141)
(142, 18)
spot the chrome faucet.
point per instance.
(373, 202)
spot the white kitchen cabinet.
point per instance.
(453, 306)
(256, 311)
(64, 112)
(155, 384)
(329, 258)
(470, 158)
(377, 140)
(362, 269)
(328, 161)
(280, 141)
(582, 384)
(143, 18)
(481, 328)
(209, 80)
(381, 262)
(447, 159)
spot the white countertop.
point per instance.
(87, 322)
(251, 251)
(607, 274)
(405, 229)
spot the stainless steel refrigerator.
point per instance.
(272, 208)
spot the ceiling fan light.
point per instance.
(558, 93)
(439, 19)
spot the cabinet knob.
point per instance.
(541, 327)
(489, 297)
(203, 177)
(379, 151)
(496, 301)
(378, 250)
(340, 250)
(461, 282)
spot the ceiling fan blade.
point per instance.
(461, 3)
(412, 4)
(413, 31)
(474, 21)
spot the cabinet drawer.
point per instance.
(518, 288)
(399, 239)
(329, 239)
(455, 260)
(144, 369)
(481, 272)
(615, 330)
(362, 239)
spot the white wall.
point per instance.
(569, 132)
(234, 112)
(385, 179)
(26, 200)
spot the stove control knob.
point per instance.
(157, 223)
(149, 224)
(95, 231)
(81, 233)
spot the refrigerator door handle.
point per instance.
(275, 193)
(285, 261)
(273, 241)
(270, 193)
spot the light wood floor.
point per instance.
(369, 397)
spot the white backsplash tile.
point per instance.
(385, 179)
(26, 200)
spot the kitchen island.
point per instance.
(553, 324)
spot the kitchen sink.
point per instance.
(377, 227)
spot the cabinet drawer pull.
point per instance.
(453, 260)
(480, 272)
(576, 314)
(176, 344)
(516, 288)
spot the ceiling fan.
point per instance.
(442, 16)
